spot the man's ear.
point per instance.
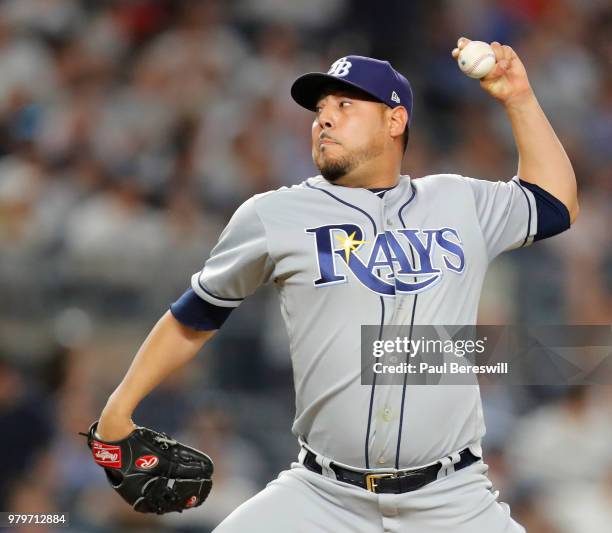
(397, 120)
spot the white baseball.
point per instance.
(477, 59)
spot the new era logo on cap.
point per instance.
(373, 76)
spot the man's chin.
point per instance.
(333, 170)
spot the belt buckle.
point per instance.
(371, 480)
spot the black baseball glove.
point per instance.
(152, 472)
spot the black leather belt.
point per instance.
(390, 482)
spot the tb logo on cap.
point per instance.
(340, 68)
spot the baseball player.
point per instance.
(362, 244)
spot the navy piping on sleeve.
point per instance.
(196, 313)
(529, 210)
(553, 215)
(214, 295)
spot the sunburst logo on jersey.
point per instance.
(349, 244)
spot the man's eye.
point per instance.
(344, 102)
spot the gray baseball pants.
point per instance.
(301, 501)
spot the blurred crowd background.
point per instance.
(131, 130)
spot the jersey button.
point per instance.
(387, 414)
(382, 461)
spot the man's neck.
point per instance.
(371, 177)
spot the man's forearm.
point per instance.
(542, 158)
(169, 346)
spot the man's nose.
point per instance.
(326, 119)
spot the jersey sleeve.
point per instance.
(506, 212)
(239, 263)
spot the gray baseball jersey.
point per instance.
(341, 257)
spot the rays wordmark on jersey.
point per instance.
(398, 261)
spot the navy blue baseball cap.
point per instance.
(373, 76)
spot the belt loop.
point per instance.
(302, 455)
(455, 458)
(445, 463)
(448, 465)
(325, 463)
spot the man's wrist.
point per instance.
(521, 101)
(115, 408)
(114, 424)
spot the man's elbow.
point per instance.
(574, 208)
(574, 211)
(571, 198)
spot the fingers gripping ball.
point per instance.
(477, 59)
(152, 472)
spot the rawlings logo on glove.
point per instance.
(146, 462)
(106, 455)
(152, 472)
